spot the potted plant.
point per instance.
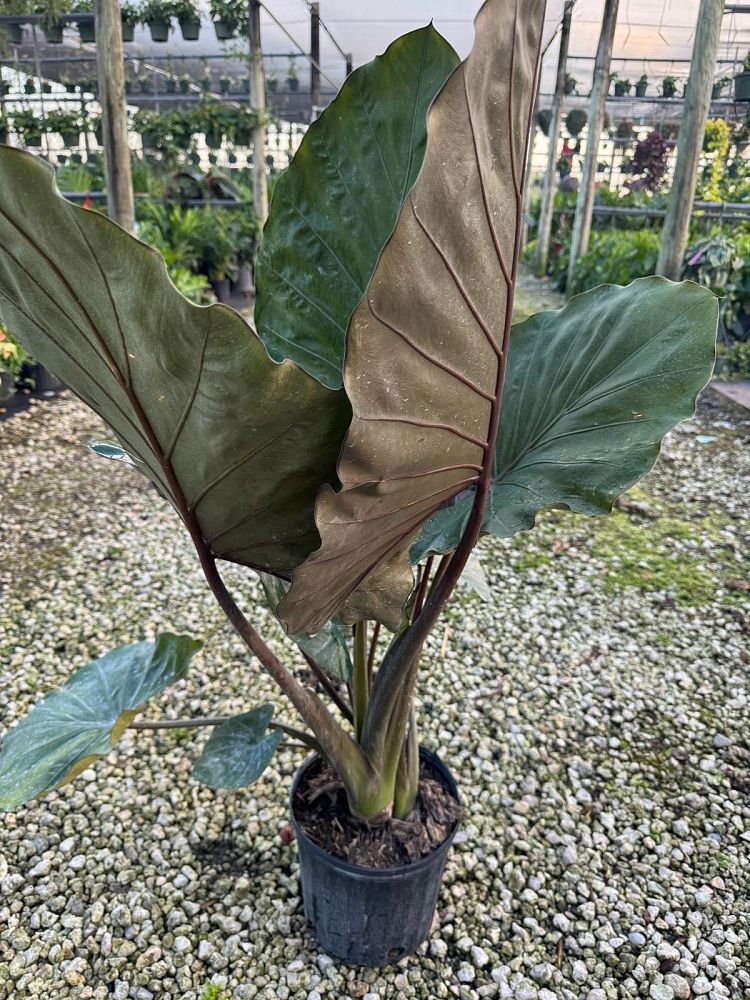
(188, 17)
(575, 121)
(248, 451)
(245, 84)
(669, 86)
(52, 13)
(181, 127)
(621, 85)
(28, 125)
(129, 17)
(292, 79)
(742, 82)
(67, 124)
(29, 85)
(86, 26)
(641, 86)
(213, 119)
(543, 119)
(153, 128)
(624, 133)
(227, 16)
(89, 85)
(184, 84)
(272, 82)
(245, 236)
(570, 84)
(157, 14)
(225, 84)
(718, 90)
(170, 84)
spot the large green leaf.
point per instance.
(328, 647)
(426, 345)
(590, 392)
(239, 750)
(337, 204)
(80, 723)
(237, 443)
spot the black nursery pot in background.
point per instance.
(370, 916)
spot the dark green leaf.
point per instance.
(77, 725)
(590, 392)
(328, 647)
(230, 438)
(238, 751)
(337, 204)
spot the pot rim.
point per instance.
(359, 871)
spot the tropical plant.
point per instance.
(722, 263)
(716, 143)
(621, 85)
(28, 125)
(185, 10)
(669, 86)
(408, 257)
(230, 12)
(649, 162)
(613, 257)
(641, 85)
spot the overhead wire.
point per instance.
(304, 52)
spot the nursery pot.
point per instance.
(15, 34)
(222, 289)
(43, 380)
(53, 34)
(159, 31)
(71, 138)
(190, 29)
(86, 31)
(620, 90)
(170, 85)
(742, 87)
(370, 916)
(33, 140)
(224, 30)
(128, 32)
(292, 83)
(640, 89)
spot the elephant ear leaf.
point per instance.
(590, 392)
(73, 727)
(426, 345)
(336, 205)
(237, 443)
(239, 750)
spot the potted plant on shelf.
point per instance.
(129, 17)
(157, 14)
(188, 17)
(86, 27)
(272, 82)
(575, 121)
(622, 87)
(183, 84)
(718, 90)
(245, 236)
(669, 86)
(227, 16)
(570, 84)
(29, 85)
(641, 86)
(359, 507)
(742, 82)
(52, 13)
(28, 126)
(225, 84)
(153, 128)
(67, 124)
(292, 79)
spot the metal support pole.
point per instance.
(110, 67)
(315, 55)
(258, 103)
(582, 225)
(349, 64)
(544, 225)
(690, 139)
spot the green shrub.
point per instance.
(614, 257)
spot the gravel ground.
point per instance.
(596, 715)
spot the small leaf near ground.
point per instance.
(239, 750)
(81, 722)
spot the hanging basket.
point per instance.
(190, 30)
(224, 30)
(742, 87)
(159, 31)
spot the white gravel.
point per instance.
(599, 732)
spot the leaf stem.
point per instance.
(359, 677)
(198, 721)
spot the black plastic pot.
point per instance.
(190, 30)
(370, 916)
(640, 89)
(620, 90)
(224, 30)
(128, 32)
(159, 31)
(15, 34)
(53, 34)
(40, 378)
(87, 31)
(742, 87)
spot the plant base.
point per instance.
(370, 916)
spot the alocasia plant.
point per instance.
(387, 267)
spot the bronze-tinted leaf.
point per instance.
(423, 366)
(237, 443)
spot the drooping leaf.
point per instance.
(424, 346)
(239, 750)
(328, 647)
(229, 437)
(590, 392)
(81, 722)
(337, 204)
(474, 578)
